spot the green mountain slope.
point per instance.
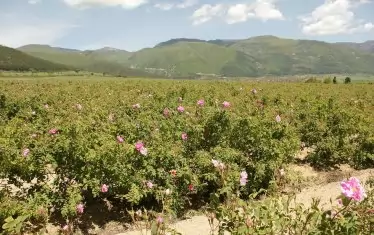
(367, 46)
(264, 55)
(101, 61)
(184, 58)
(257, 56)
(285, 56)
(12, 59)
(108, 54)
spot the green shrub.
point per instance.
(66, 150)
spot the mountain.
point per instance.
(286, 56)
(187, 58)
(177, 40)
(221, 42)
(105, 60)
(256, 56)
(12, 59)
(264, 55)
(367, 46)
(109, 54)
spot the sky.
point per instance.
(135, 24)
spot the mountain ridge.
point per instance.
(254, 56)
(367, 43)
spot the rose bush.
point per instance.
(108, 148)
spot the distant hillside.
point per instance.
(187, 58)
(12, 59)
(286, 56)
(108, 54)
(367, 46)
(257, 56)
(177, 40)
(221, 42)
(264, 55)
(101, 61)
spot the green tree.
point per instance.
(347, 80)
(334, 80)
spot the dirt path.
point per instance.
(325, 186)
(330, 189)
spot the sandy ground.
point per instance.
(325, 185)
(197, 225)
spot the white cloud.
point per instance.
(168, 6)
(206, 12)
(335, 17)
(236, 13)
(266, 10)
(164, 6)
(32, 2)
(127, 4)
(368, 26)
(187, 3)
(18, 32)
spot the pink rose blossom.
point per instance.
(159, 220)
(352, 189)
(80, 208)
(243, 178)
(139, 145)
(25, 152)
(149, 184)
(184, 136)
(191, 187)
(180, 109)
(226, 104)
(65, 227)
(200, 103)
(278, 118)
(53, 131)
(119, 139)
(243, 181)
(104, 188)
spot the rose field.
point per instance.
(148, 152)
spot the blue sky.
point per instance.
(135, 24)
